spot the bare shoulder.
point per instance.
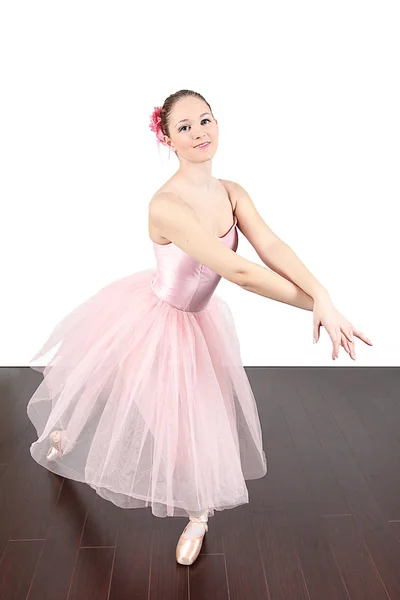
(166, 205)
(233, 190)
(250, 221)
(239, 196)
(228, 183)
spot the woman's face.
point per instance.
(190, 124)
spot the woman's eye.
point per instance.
(181, 129)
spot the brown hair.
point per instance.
(169, 104)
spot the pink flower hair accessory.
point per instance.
(155, 124)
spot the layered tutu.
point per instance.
(153, 402)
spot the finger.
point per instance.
(361, 336)
(348, 333)
(345, 343)
(350, 346)
(335, 336)
(338, 341)
(316, 330)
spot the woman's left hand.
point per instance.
(340, 330)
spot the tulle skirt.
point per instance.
(154, 405)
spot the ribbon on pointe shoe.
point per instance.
(200, 521)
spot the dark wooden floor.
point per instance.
(323, 524)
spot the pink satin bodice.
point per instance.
(182, 281)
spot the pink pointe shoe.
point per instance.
(188, 549)
(55, 451)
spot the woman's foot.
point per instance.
(55, 451)
(190, 541)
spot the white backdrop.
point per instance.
(306, 95)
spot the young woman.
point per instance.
(146, 399)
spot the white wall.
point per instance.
(307, 98)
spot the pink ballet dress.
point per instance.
(148, 390)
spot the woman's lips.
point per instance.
(203, 147)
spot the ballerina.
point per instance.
(146, 399)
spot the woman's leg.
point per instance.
(195, 529)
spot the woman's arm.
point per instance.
(277, 255)
(281, 258)
(176, 221)
(272, 250)
(265, 282)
